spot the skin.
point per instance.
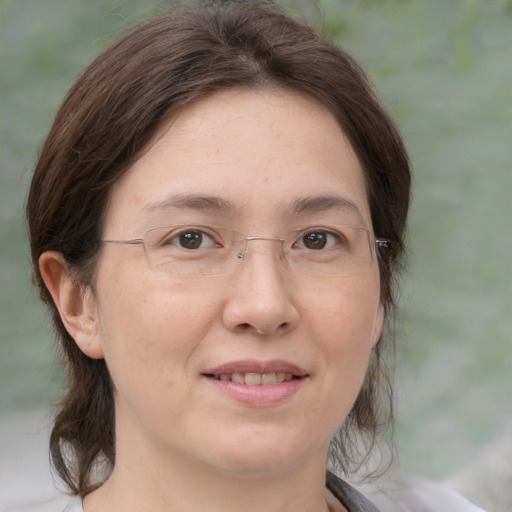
(182, 444)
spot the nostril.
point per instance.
(279, 328)
(248, 327)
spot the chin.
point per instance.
(261, 467)
(263, 455)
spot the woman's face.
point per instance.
(265, 164)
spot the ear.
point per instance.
(75, 303)
(379, 325)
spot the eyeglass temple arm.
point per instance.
(382, 242)
(124, 242)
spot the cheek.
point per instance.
(150, 326)
(343, 321)
(346, 312)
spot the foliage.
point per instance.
(443, 69)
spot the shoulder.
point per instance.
(54, 504)
(348, 496)
(74, 506)
(405, 493)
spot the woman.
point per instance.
(216, 219)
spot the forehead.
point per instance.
(250, 154)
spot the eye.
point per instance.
(190, 239)
(318, 240)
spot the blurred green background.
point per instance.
(444, 70)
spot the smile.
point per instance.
(257, 383)
(255, 379)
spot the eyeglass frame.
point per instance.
(378, 242)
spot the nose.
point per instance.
(260, 299)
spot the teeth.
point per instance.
(269, 378)
(238, 377)
(255, 379)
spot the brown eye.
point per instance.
(190, 239)
(315, 240)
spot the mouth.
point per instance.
(254, 373)
(254, 379)
(257, 383)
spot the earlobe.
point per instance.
(74, 302)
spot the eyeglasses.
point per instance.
(208, 251)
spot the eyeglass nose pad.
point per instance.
(243, 251)
(281, 254)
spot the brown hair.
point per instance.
(108, 118)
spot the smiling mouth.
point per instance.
(254, 379)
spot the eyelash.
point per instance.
(323, 234)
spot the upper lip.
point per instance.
(252, 366)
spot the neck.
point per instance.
(180, 485)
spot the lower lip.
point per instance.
(258, 395)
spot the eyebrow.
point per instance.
(318, 204)
(193, 202)
(307, 204)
